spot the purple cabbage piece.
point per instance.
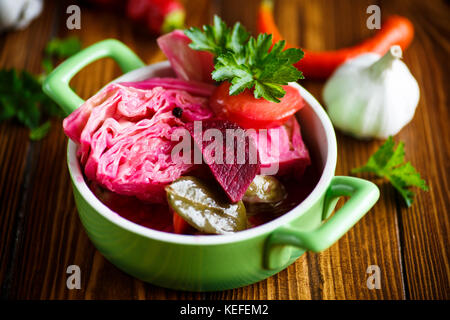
(188, 64)
(193, 87)
(125, 137)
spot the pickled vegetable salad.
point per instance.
(126, 133)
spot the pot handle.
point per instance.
(56, 85)
(363, 195)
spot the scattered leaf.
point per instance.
(41, 131)
(390, 164)
(21, 95)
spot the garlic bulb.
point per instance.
(372, 96)
(17, 14)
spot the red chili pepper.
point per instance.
(321, 64)
(161, 16)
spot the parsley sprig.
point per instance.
(21, 95)
(390, 164)
(21, 98)
(60, 49)
(247, 62)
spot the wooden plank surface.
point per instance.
(40, 231)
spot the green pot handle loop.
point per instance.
(56, 85)
(363, 195)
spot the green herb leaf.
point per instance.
(247, 62)
(7, 109)
(47, 65)
(21, 98)
(21, 95)
(228, 68)
(218, 38)
(63, 48)
(41, 131)
(21, 92)
(390, 164)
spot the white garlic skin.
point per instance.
(18, 14)
(372, 96)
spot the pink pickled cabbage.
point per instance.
(124, 137)
(192, 87)
(282, 149)
(187, 63)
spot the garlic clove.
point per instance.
(10, 11)
(372, 96)
(31, 10)
(18, 14)
(384, 63)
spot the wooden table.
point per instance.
(40, 231)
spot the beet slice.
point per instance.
(233, 159)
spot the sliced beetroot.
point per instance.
(234, 162)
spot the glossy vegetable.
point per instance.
(161, 16)
(320, 65)
(205, 207)
(249, 112)
(264, 189)
(265, 212)
(372, 96)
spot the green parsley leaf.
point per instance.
(59, 49)
(41, 131)
(390, 164)
(47, 65)
(22, 99)
(7, 109)
(21, 95)
(218, 38)
(228, 68)
(247, 62)
(63, 48)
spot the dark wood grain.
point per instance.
(424, 227)
(16, 151)
(40, 231)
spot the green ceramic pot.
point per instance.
(214, 262)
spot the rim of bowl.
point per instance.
(325, 179)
